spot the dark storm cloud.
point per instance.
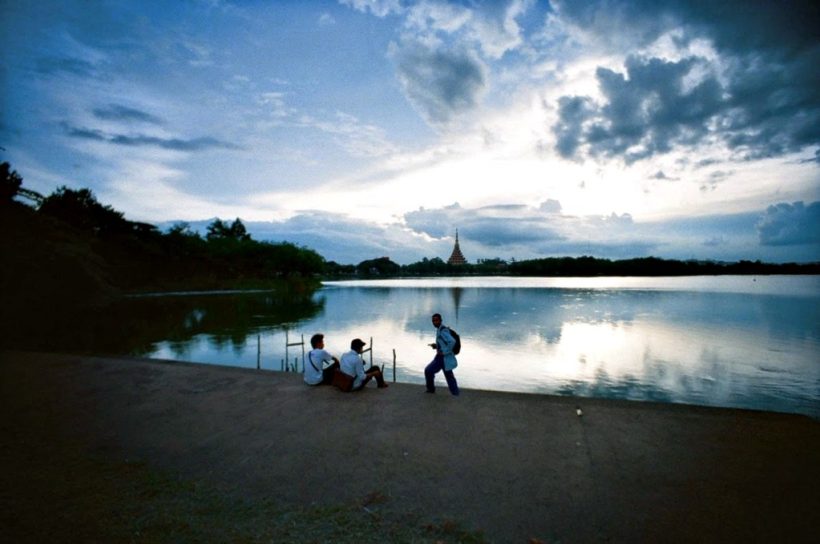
(174, 144)
(734, 25)
(117, 112)
(573, 112)
(647, 111)
(440, 83)
(790, 224)
(766, 104)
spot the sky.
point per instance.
(362, 129)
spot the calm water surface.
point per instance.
(737, 341)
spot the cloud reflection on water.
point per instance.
(705, 341)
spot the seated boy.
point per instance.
(353, 365)
(315, 372)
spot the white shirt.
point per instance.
(351, 364)
(315, 362)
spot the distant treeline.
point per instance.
(651, 266)
(68, 247)
(566, 266)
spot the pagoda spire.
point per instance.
(456, 258)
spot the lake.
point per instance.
(732, 341)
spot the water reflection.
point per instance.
(708, 347)
(751, 345)
(180, 324)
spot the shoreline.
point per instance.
(511, 466)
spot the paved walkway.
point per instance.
(516, 466)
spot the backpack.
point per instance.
(457, 338)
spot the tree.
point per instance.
(81, 209)
(11, 186)
(382, 266)
(10, 183)
(217, 230)
(238, 232)
(182, 229)
(220, 230)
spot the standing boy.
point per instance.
(444, 360)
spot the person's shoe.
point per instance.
(382, 386)
(428, 391)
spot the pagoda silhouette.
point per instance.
(456, 258)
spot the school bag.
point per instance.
(457, 338)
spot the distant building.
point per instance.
(456, 258)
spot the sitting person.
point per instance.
(315, 372)
(353, 365)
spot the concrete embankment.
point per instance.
(515, 466)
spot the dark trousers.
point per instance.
(327, 374)
(433, 368)
(375, 372)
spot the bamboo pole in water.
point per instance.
(303, 354)
(288, 344)
(394, 365)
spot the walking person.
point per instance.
(315, 372)
(353, 365)
(444, 360)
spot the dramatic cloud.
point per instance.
(647, 111)
(734, 25)
(442, 57)
(790, 224)
(684, 117)
(759, 95)
(441, 84)
(496, 28)
(573, 112)
(491, 26)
